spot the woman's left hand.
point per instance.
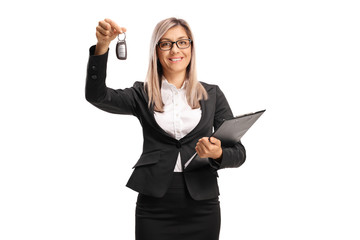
(209, 149)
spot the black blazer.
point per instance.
(153, 171)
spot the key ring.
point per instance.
(119, 38)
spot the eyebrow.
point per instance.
(167, 39)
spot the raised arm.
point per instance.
(121, 101)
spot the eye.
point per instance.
(165, 44)
(183, 42)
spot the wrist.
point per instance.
(101, 48)
(218, 157)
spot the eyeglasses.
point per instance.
(167, 45)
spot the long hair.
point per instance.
(194, 90)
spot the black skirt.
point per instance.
(177, 216)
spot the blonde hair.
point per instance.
(194, 90)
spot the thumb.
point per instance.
(215, 141)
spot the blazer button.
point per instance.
(178, 145)
(93, 67)
(94, 77)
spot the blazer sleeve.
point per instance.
(233, 156)
(120, 101)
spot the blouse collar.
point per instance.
(165, 85)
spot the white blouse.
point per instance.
(178, 118)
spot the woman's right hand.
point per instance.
(106, 31)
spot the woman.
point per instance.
(177, 114)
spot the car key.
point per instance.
(121, 51)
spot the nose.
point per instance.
(174, 49)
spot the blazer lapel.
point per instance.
(207, 107)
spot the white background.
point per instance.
(64, 163)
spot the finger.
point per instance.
(207, 143)
(106, 29)
(99, 35)
(105, 25)
(203, 140)
(202, 144)
(200, 151)
(102, 37)
(102, 30)
(115, 26)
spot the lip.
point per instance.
(173, 58)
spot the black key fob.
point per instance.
(121, 51)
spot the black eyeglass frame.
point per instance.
(172, 44)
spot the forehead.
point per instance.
(175, 33)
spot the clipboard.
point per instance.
(232, 130)
(229, 132)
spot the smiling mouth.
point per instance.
(175, 59)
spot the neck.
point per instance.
(177, 79)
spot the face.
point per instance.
(175, 60)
